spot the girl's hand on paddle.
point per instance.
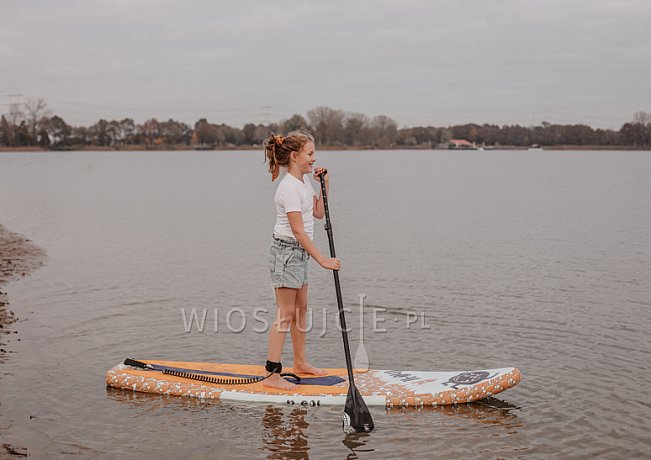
(317, 173)
(331, 264)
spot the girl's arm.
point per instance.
(296, 222)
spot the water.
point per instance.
(538, 260)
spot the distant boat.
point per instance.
(535, 147)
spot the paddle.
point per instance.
(357, 417)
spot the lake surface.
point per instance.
(537, 260)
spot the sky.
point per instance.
(436, 62)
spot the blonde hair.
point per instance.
(277, 149)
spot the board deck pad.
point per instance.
(378, 387)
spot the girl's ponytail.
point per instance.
(277, 150)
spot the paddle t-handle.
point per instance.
(357, 417)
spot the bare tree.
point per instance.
(99, 134)
(16, 115)
(128, 130)
(641, 117)
(327, 125)
(151, 132)
(295, 123)
(36, 109)
(385, 131)
(6, 132)
(59, 131)
(207, 135)
(356, 129)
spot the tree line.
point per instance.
(33, 124)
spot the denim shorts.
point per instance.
(288, 264)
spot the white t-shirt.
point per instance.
(294, 195)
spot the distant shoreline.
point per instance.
(130, 148)
(18, 258)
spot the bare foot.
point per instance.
(307, 368)
(279, 383)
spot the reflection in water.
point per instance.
(285, 435)
(134, 397)
(490, 411)
(285, 430)
(355, 442)
(155, 401)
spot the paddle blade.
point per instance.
(361, 362)
(357, 418)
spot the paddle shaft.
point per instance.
(340, 302)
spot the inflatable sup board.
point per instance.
(238, 382)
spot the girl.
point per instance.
(291, 248)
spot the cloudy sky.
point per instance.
(436, 62)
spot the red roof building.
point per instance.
(461, 144)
